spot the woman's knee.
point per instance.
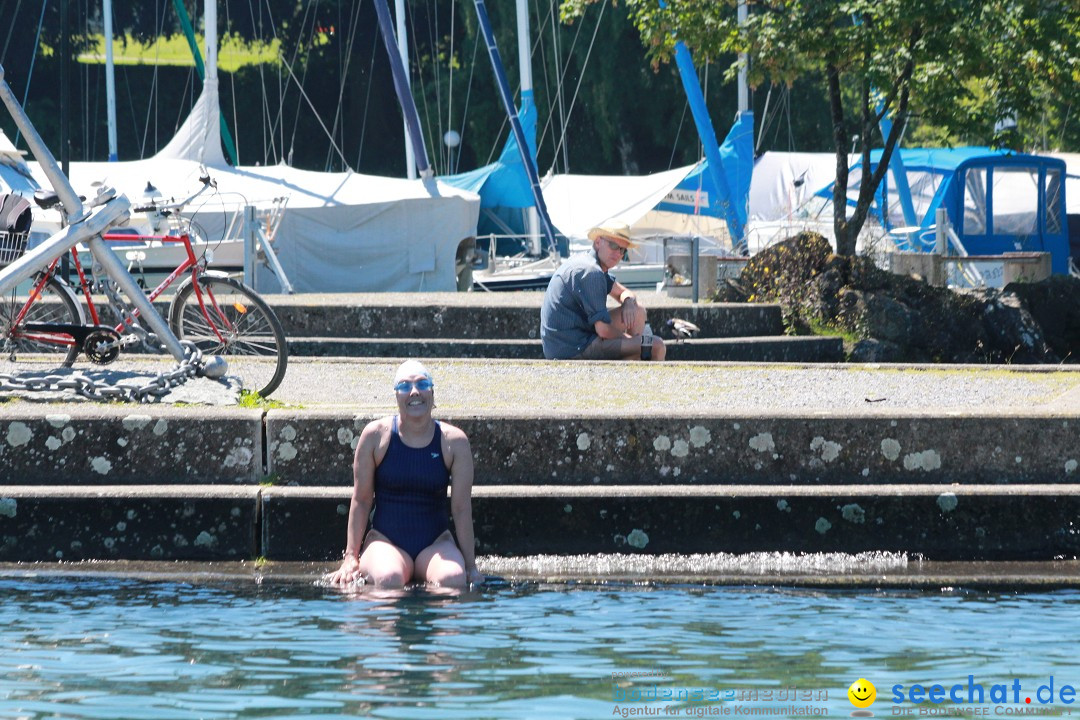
(384, 577)
(446, 573)
(384, 565)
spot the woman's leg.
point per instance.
(383, 564)
(441, 563)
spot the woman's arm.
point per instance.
(362, 499)
(461, 474)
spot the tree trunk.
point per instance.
(845, 242)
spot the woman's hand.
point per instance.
(347, 573)
(474, 577)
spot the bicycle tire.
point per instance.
(56, 305)
(248, 326)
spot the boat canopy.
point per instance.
(997, 201)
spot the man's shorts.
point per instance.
(602, 349)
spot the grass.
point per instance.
(819, 327)
(254, 401)
(233, 53)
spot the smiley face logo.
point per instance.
(862, 693)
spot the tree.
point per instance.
(963, 65)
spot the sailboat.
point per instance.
(335, 231)
(706, 200)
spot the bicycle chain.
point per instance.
(154, 390)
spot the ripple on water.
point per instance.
(122, 648)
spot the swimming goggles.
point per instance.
(422, 384)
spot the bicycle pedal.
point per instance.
(129, 340)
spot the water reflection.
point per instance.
(129, 649)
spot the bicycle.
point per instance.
(220, 314)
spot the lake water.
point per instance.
(128, 648)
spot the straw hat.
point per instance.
(613, 230)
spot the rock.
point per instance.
(888, 319)
(876, 351)
(1054, 305)
(1013, 331)
(730, 291)
(896, 318)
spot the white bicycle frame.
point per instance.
(82, 227)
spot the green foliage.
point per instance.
(962, 67)
(253, 400)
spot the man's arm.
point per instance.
(626, 298)
(622, 294)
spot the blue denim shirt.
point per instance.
(576, 299)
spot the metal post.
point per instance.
(744, 62)
(82, 227)
(147, 313)
(110, 80)
(249, 246)
(42, 256)
(695, 267)
(941, 235)
(403, 51)
(525, 74)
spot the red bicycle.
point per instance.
(220, 314)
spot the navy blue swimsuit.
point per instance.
(411, 508)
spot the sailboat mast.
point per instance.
(527, 159)
(403, 50)
(110, 79)
(525, 65)
(744, 64)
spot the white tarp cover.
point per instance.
(341, 232)
(577, 203)
(784, 181)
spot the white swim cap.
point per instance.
(410, 368)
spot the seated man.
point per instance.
(575, 322)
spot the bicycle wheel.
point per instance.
(56, 305)
(251, 338)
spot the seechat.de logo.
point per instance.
(862, 695)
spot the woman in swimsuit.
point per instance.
(403, 465)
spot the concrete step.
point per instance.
(487, 316)
(936, 522)
(782, 348)
(316, 447)
(118, 445)
(145, 522)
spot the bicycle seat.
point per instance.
(46, 199)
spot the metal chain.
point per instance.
(153, 391)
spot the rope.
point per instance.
(367, 103)
(581, 76)
(450, 86)
(678, 134)
(11, 28)
(354, 23)
(558, 89)
(33, 57)
(468, 95)
(416, 54)
(310, 11)
(315, 112)
(232, 82)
